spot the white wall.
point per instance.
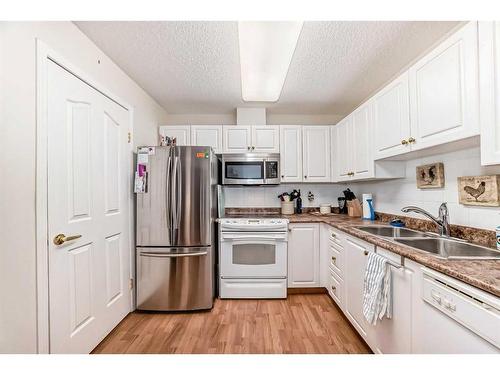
(267, 196)
(17, 158)
(391, 196)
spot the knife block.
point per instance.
(354, 208)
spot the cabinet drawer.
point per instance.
(335, 260)
(334, 236)
(472, 313)
(335, 289)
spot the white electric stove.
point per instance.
(253, 257)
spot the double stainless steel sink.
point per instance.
(440, 247)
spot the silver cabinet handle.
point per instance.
(166, 255)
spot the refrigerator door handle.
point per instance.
(178, 198)
(169, 195)
(178, 255)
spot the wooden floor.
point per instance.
(303, 323)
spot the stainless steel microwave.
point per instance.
(250, 169)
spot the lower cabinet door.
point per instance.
(303, 255)
(393, 336)
(336, 290)
(356, 256)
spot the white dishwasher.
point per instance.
(457, 318)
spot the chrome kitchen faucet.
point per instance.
(442, 221)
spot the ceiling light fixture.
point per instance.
(266, 50)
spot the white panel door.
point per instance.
(391, 119)
(362, 142)
(291, 153)
(316, 153)
(207, 135)
(265, 138)
(237, 138)
(88, 193)
(182, 133)
(344, 150)
(489, 73)
(303, 255)
(444, 91)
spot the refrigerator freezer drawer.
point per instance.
(253, 288)
(175, 279)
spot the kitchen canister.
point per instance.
(325, 208)
(287, 208)
(498, 237)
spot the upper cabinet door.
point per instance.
(444, 91)
(391, 119)
(207, 135)
(344, 142)
(291, 153)
(265, 138)
(489, 64)
(362, 142)
(316, 153)
(237, 138)
(181, 132)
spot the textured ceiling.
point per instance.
(193, 67)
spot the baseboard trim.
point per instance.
(313, 290)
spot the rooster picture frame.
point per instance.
(479, 190)
(430, 176)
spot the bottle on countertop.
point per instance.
(299, 203)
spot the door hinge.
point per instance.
(131, 284)
(129, 137)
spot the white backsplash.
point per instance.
(390, 195)
(267, 196)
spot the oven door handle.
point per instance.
(258, 237)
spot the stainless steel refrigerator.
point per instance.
(176, 231)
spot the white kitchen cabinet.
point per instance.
(207, 135)
(265, 138)
(391, 119)
(303, 255)
(291, 153)
(316, 153)
(237, 138)
(343, 150)
(356, 252)
(361, 142)
(251, 138)
(181, 132)
(393, 336)
(444, 93)
(353, 153)
(489, 78)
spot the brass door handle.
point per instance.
(411, 140)
(334, 260)
(366, 252)
(404, 142)
(61, 238)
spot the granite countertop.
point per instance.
(483, 274)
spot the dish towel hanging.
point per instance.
(377, 296)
